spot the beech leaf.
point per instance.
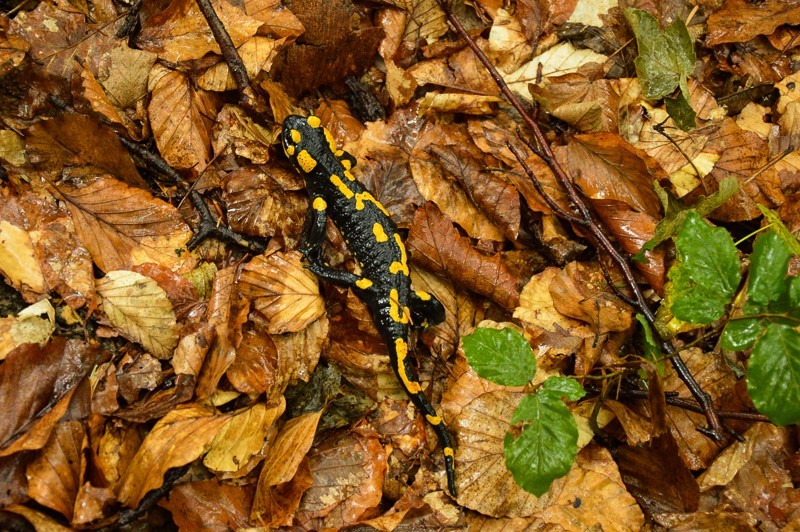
(140, 310)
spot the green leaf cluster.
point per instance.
(706, 274)
(769, 319)
(546, 442)
(664, 63)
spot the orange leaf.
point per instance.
(177, 439)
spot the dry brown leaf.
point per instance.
(210, 504)
(632, 229)
(28, 326)
(59, 35)
(99, 101)
(281, 465)
(178, 438)
(536, 307)
(241, 439)
(337, 117)
(35, 386)
(257, 54)
(181, 118)
(496, 198)
(12, 48)
(436, 245)
(140, 310)
(125, 81)
(236, 131)
(448, 196)
(181, 33)
(424, 20)
(508, 45)
(605, 503)
(19, 261)
(588, 105)
(284, 291)
(581, 291)
(348, 469)
(605, 166)
(73, 140)
(740, 21)
(39, 520)
(123, 226)
(433, 104)
(275, 18)
(55, 475)
(256, 359)
(657, 477)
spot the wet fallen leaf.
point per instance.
(34, 324)
(740, 21)
(436, 245)
(56, 473)
(123, 226)
(283, 290)
(140, 310)
(178, 438)
(181, 117)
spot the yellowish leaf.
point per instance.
(27, 327)
(283, 291)
(140, 310)
(178, 438)
(18, 260)
(242, 438)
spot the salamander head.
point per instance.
(305, 140)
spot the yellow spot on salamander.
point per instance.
(314, 121)
(394, 308)
(289, 150)
(319, 204)
(348, 175)
(337, 181)
(296, 136)
(401, 348)
(433, 420)
(363, 283)
(380, 234)
(425, 296)
(361, 197)
(338, 153)
(345, 162)
(330, 139)
(402, 266)
(448, 451)
(305, 161)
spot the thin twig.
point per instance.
(601, 240)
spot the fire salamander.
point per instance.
(384, 284)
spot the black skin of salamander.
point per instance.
(379, 252)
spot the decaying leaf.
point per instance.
(210, 504)
(436, 245)
(285, 292)
(123, 226)
(34, 324)
(178, 438)
(140, 310)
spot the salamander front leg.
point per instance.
(314, 231)
(426, 310)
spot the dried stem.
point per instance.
(584, 217)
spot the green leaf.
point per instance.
(777, 226)
(768, 264)
(652, 351)
(664, 57)
(502, 356)
(546, 448)
(773, 374)
(681, 112)
(563, 387)
(706, 274)
(740, 333)
(676, 212)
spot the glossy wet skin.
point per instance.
(384, 284)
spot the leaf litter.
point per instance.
(136, 358)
